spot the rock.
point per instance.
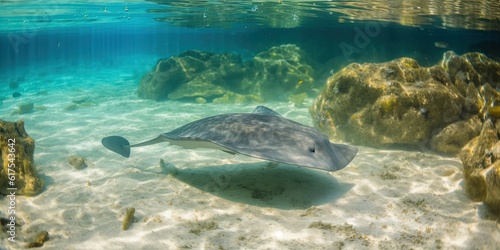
(77, 161)
(17, 149)
(41, 238)
(25, 108)
(200, 100)
(481, 165)
(401, 103)
(171, 73)
(453, 137)
(271, 75)
(492, 178)
(279, 72)
(390, 103)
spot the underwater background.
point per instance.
(78, 71)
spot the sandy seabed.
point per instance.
(206, 199)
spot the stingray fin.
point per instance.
(117, 144)
(265, 111)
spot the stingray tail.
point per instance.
(117, 144)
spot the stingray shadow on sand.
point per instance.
(280, 186)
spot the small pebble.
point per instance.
(77, 161)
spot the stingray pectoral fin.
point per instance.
(117, 144)
(343, 155)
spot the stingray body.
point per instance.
(262, 134)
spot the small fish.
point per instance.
(16, 94)
(300, 82)
(441, 45)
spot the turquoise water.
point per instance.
(80, 65)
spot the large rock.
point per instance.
(18, 172)
(272, 75)
(481, 166)
(277, 73)
(194, 67)
(399, 102)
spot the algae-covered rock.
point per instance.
(18, 167)
(453, 137)
(25, 108)
(271, 75)
(40, 239)
(279, 72)
(481, 166)
(396, 102)
(401, 103)
(191, 66)
(492, 178)
(77, 161)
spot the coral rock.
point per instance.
(271, 75)
(401, 103)
(17, 150)
(479, 158)
(379, 104)
(453, 137)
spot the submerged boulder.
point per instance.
(481, 166)
(277, 73)
(190, 75)
(271, 75)
(401, 103)
(18, 173)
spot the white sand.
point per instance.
(383, 199)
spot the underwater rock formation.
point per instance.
(200, 71)
(18, 167)
(401, 103)
(271, 75)
(278, 72)
(481, 166)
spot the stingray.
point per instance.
(262, 134)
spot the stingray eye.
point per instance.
(312, 149)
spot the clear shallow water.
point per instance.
(387, 199)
